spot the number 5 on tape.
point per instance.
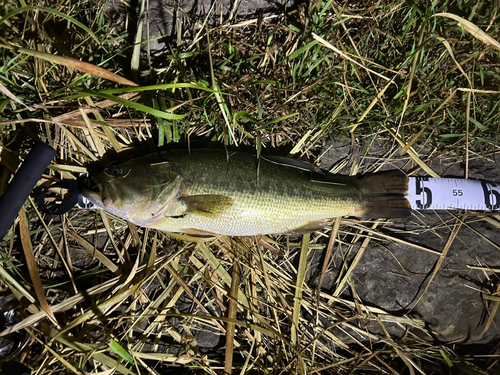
(426, 193)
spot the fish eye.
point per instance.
(117, 171)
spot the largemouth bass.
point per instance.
(209, 192)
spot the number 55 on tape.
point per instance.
(426, 193)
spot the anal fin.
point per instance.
(311, 226)
(193, 235)
(199, 233)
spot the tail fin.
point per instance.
(385, 194)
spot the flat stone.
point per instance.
(165, 19)
(396, 277)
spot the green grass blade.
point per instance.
(51, 11)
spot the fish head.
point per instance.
(138, 191)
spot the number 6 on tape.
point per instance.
(426, 193)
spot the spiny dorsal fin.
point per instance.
(207, 205)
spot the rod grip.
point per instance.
(23, 183)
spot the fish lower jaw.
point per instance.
(94, 197)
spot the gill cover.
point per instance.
(140, 190)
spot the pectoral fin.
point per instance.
(207, 205)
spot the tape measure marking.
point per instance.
(425, 193)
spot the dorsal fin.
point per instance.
(293, 163)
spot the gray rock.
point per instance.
(395, 277)
(166, 18)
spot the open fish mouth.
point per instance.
(88, 183)
(99, 192)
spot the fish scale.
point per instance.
(263, 203)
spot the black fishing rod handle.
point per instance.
(23, 183)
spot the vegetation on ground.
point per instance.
(419, 77)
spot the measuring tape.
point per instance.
(426, 193)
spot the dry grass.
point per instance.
(129, 300)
